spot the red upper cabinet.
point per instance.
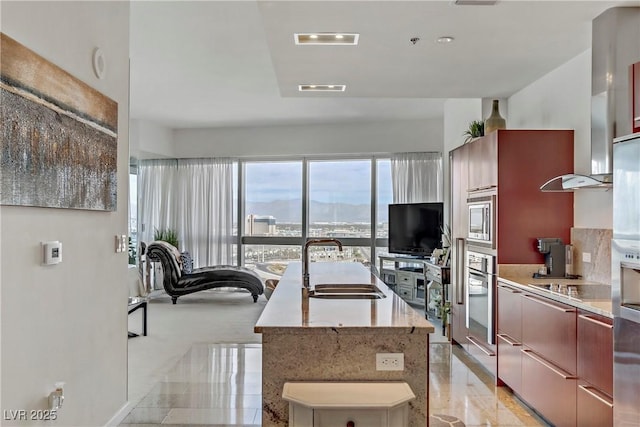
(526, 160)
(516, 163)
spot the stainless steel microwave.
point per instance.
(481, 220)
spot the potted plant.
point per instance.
(476, 129)
(168, 235)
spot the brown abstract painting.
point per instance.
(59, 135)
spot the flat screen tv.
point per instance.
(415, 228)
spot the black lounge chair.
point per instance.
(177, 283)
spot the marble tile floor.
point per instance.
(219, 385)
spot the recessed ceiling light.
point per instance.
(445, 39)
(322, 88)
(350, 39)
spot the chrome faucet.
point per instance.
(305, 256)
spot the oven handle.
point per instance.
(473, 341)
(484, 278)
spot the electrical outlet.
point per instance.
(586, 256)
(389, 361)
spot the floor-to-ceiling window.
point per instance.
(282, 203)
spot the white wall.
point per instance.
(562, 100)
(68, 322)
(373, 137)
(150, 141)
(458, 113)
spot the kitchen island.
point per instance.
(336, 340)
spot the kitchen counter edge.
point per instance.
(600, 307)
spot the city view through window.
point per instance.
(337, 200)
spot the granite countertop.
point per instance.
(284, 313)
(591, 296)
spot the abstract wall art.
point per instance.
(59, 135)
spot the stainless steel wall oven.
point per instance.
(480, 284)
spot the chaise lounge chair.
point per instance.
(176, 282)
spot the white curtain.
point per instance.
(194, 197)
(417, 177)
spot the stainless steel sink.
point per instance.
(346, 291)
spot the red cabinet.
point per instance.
(549, 389)
(510, 311)
(549, 358)
(556, 358)
(509, 337)
(594, 409)
(549, 329)
(516, 162)
(526, 159)
(595, 370)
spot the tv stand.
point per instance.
(418, 281)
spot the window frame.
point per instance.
(372, 242)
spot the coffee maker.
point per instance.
(558, 258)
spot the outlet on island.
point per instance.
(389, 361)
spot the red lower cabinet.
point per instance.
(595, 369)
(550, 390)
(595, 409)
(510, 362)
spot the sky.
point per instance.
(329, 181)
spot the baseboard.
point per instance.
(120, 415)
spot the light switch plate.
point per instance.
(586, 256)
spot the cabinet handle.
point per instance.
(555, 307)
(596, 395)
(509, 289)
(472, 340)
(486, 187)
(596, 321)
(459, 288)
(506, 338)
(548, 365)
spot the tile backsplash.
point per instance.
(597, 243)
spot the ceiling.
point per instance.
(197, 64)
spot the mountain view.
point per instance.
(288, 211)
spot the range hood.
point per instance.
(615, 45)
